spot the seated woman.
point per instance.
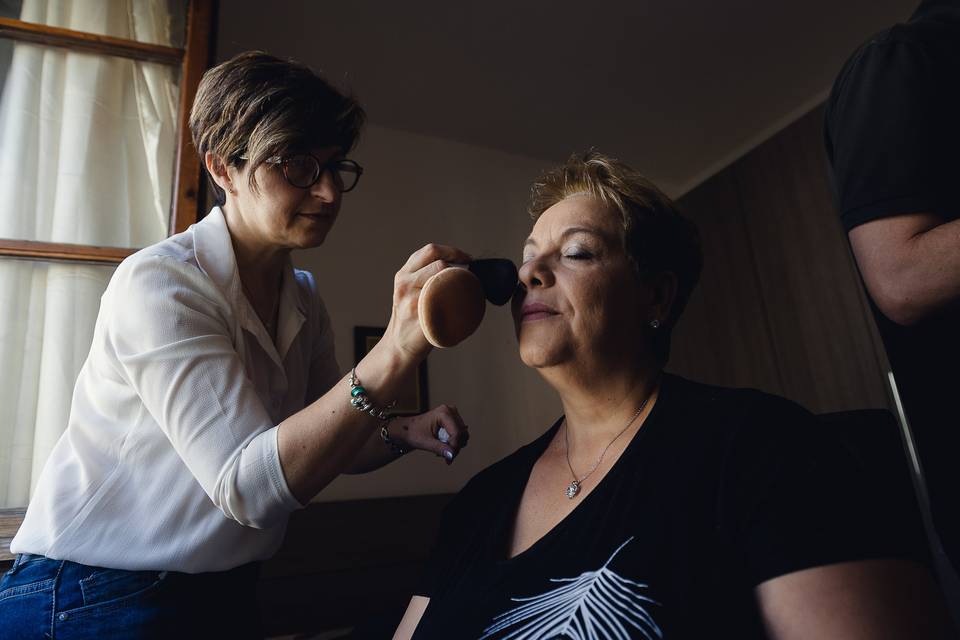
(656, 506)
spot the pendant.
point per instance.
(573, 489)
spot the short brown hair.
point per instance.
(656, 237)
(258, 106)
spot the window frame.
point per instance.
(193, 60)
(188, 182)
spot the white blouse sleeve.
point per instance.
(170, 331)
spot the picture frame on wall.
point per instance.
(413, 397)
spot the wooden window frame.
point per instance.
(193, 60)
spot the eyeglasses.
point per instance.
(303, 170)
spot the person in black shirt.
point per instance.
(893, 140)
(656, 507)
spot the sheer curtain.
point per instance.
(87, 146)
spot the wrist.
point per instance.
(397, 446)
(361, 401)
(387, 362)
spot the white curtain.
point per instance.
(87, 146)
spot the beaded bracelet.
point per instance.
(360, 401)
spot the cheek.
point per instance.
(588, 299)
(603, 307)
(283, 207)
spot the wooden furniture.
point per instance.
(350, 563)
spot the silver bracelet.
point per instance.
(395, 446)
(360, 401)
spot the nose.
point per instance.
(326, 188)
(536, 272)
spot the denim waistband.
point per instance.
(236, 577)
(23, 558)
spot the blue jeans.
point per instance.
(45, 598)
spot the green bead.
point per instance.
(357, 391)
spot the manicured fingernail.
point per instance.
(443, 436)
(448, 455)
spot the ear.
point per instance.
(664, 289)
(220, 172)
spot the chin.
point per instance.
(537, 353)
(313, 232)
(313, 239)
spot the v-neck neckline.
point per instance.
(537, 450)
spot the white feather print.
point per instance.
(596, 605)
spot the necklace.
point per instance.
(573, 489)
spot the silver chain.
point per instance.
(579, 481)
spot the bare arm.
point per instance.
(320, 442)
(910, 264)
(323, 440)
(868, 600)
(418, 604)
(373, 454)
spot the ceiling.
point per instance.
(677, 88)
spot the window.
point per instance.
(95, 162)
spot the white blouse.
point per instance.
(169, 460)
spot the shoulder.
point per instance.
(736, 427)
(173, 255)
(487, 485)
(507, 468)
(178, 247)
(737, 408)
(309, 298)
(162, 285)
(306, 284)
(308, 292)
(889, 58)
(163, 264)
(159, 270)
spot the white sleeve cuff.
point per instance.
(264, 497)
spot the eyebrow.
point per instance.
(567, 232)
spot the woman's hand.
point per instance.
(403, 332)
(440, 431)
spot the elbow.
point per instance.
(257, 521)
(900, 301)
(251, 489)
(248, 518)
(256, 512)
(899, 275)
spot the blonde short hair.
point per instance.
(656, 237)
(257, 106)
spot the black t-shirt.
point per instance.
(719, 490)
(893, 141)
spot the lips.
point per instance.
(318, 216)
(536, 311)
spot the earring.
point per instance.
(654, 324)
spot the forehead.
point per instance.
(577, 211)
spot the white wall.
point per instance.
(414, 190)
